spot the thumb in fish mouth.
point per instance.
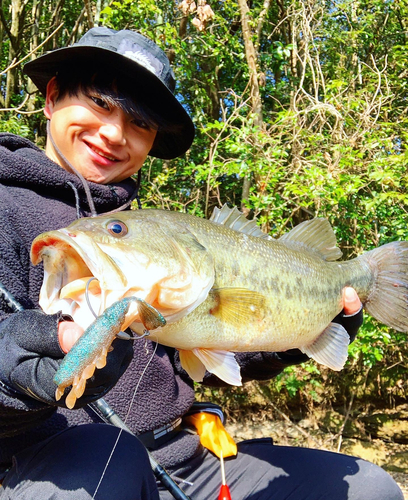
(68, 333)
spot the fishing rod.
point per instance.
(108, 415)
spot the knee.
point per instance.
(372, 482)
(89, 458)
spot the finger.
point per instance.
(68, 333)
(351, 302)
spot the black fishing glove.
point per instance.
(30, 355)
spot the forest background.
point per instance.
(301, 111)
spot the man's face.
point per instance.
(103, 143)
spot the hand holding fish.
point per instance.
(34, 356)
(351, 302)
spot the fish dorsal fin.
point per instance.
(237, 306)
(221, 363)
(316, 234)
(236, 220)
(330, 348)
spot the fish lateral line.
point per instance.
(90, 351)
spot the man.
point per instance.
(110, 103)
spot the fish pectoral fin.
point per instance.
(316, 234)
(220, 363)
(237, 306)
(330, 348)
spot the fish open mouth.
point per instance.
(70, 262)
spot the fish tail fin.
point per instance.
(388, 300)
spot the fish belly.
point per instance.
(302, 294)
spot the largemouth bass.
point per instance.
(222, 285)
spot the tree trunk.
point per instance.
(34, 42)
(89, 13)
(15, 33)
(252, 61)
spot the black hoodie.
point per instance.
(37, 195)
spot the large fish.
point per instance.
(222, 286)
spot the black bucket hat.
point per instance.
(143, 65)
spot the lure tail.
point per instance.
(91, 349)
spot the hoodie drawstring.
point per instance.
(77, 205)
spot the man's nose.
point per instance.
(114, 129)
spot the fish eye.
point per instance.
(117, 228)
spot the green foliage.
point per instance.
(303, 378)
(372, 345)
(14, 125)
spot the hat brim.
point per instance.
(169, 143)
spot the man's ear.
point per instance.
(51, 97)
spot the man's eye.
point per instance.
(99, 102)
(140, 123)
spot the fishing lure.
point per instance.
(90, 350)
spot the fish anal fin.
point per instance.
(192, 364)
(237, 306)
(330, 348)
(220, 363)
(316, 234)
(236, 220)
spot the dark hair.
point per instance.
(112, 89)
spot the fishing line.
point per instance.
(125, 421)
(126, 337)
(108, 415)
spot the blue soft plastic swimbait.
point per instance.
(90, 350)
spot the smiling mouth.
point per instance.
(101, 153)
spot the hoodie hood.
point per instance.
(29, 167)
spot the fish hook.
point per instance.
(120, 335)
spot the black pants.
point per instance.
(70, 466)
(263, 471)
